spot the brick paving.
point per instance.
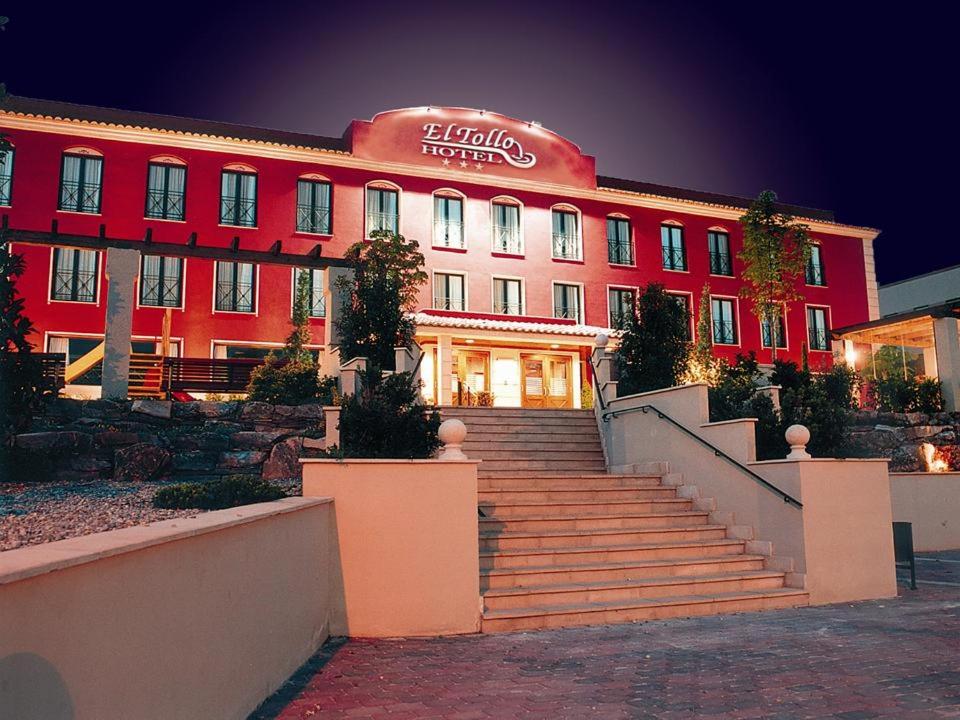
(897, 658)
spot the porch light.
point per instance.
(934, 463)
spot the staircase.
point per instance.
(562, 543)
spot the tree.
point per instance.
(388, 272)
(653, 343)
(703, 366)
(295, 348)
(775, 252)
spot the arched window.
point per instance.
(672, 246)
(382, 207)
(6, 175)
(507, 225)
(619, 240)
(448, 207)
(314, 204)
(238, 195)
(567, 242)
(166, 188)
(718, 244)
(81, 174)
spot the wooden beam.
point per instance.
(148, 236)
(235, 244)
(103, 230)
(190, 250)
(275, 248)
(316, 251)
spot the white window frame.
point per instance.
(382, 185)
(293, 291)
(451, 193)
(736, 314)
(553, 309)
(433, 288)
(521, 240)
(691, 315)
(633, 244)
(828, 315)
(52, 271)
(183, 285)
(523, 294)
(786, 331)
(256, 292)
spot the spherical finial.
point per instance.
(601, 340)
(452, 433)
(797, 437)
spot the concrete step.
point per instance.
(552, 441)
(593, 522)
(496, 578)
(563, 454)
(534, 557)
(583, 507)
(504, 421)
(541, 465)
(466, 411)
(567, 482)
(626, 590)
(501, 472)
(553, 616)
(554, 494)
(521, 540)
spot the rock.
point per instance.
(154, 408)
(115, 438)
(200, 441)
(58, 441)
(256, 440)
(212, 409)
(922, 431)
(140, 462)
(103, 408)
(87, 464)
(193, 460)
(256, 412)
(906, 459)
(283, 461)
(886, 428)
(241, 458)
(312, 411)
(310, 443)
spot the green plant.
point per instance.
(775, 252)
(387, 419)
(226, 492)
(387, 273)
(482, 399)
(895, 393)
(292, 383)
(586, 396)
(823, 402)
(702, 366)
(737, 385)
(653, 343)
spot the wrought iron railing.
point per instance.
(766, 339)
(313, 218)
(815, 274)
(448, 233)
(234, 297)
(569, 312)
(566, 246)
(382, 221)
(620, 252)
(238, 211)
(673, 258)
(506, 239)
(164, 205)
(724, 332)
(160, 291)
(5, 183)
(446, 303)
(79, 197)
(720, 263)
(76, 285)
(818, 338)
(502, 307)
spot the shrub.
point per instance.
(653, 345)
(293, 383)
(895, 393)
(226, 492)
(822, 402)
(387, 419)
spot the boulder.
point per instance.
(241, 458)
(140, 462)
(217, 409)
(57, 441)
(255, 440)
(311, 412)
(87, 464)
(283, 461)
(194, 460)
(103, 408)
(256, 412)
(115, 438)
(154, 408)
(210, 441)
(922, 431)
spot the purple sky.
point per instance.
(829, 106)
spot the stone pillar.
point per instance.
(334, 297)
(946, 337)
(408, 360)
(350, 375)
(445, 368)
(122, 269)
(602, 361)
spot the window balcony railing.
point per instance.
(446, 303)
(234, 298)
(313, 219)
(79, 197)
(815, 275)
(5, 183)
(160, 292)
(720, 263)
(620, 252)
(382, 221)
(566, 246)
(501, 307)
(569, 312)
(448, 233)
(818, 339)
(79, 286)
(765, 332)
(164, 205)
(673, 258)
(723, 332)
(506, 239)
(241, 212)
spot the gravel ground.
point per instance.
(31, 514)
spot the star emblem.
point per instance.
(446, 162)
(479, 166)
(463, 163)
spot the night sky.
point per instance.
(830, 106)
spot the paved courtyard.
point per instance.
(896, 658)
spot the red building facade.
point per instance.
(530, 253)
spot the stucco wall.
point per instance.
(195, 618)
(931, 501)
(406, 544)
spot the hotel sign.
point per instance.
(494, 146)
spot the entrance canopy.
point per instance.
(914, 328)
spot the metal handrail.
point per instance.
(597, 390)
(789, 499)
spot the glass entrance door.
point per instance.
(547, 381)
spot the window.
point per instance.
(506, 228)
(236, 286)
(447, 221)
(316, 301)
(684, 302)
(313, 206)
(815, 274)
(382, 212)
(719, 246)
(6, 176)
(724, 321)
(238, 198)
(449, 291)
(507, 296)
(74, 275)
(619, 245)
(671, 245)
(161, 280)
(166, 186)
(566, 238)
(780, 331)
(621, 302)
(80, 187)
(817, 328)
(566, 301)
